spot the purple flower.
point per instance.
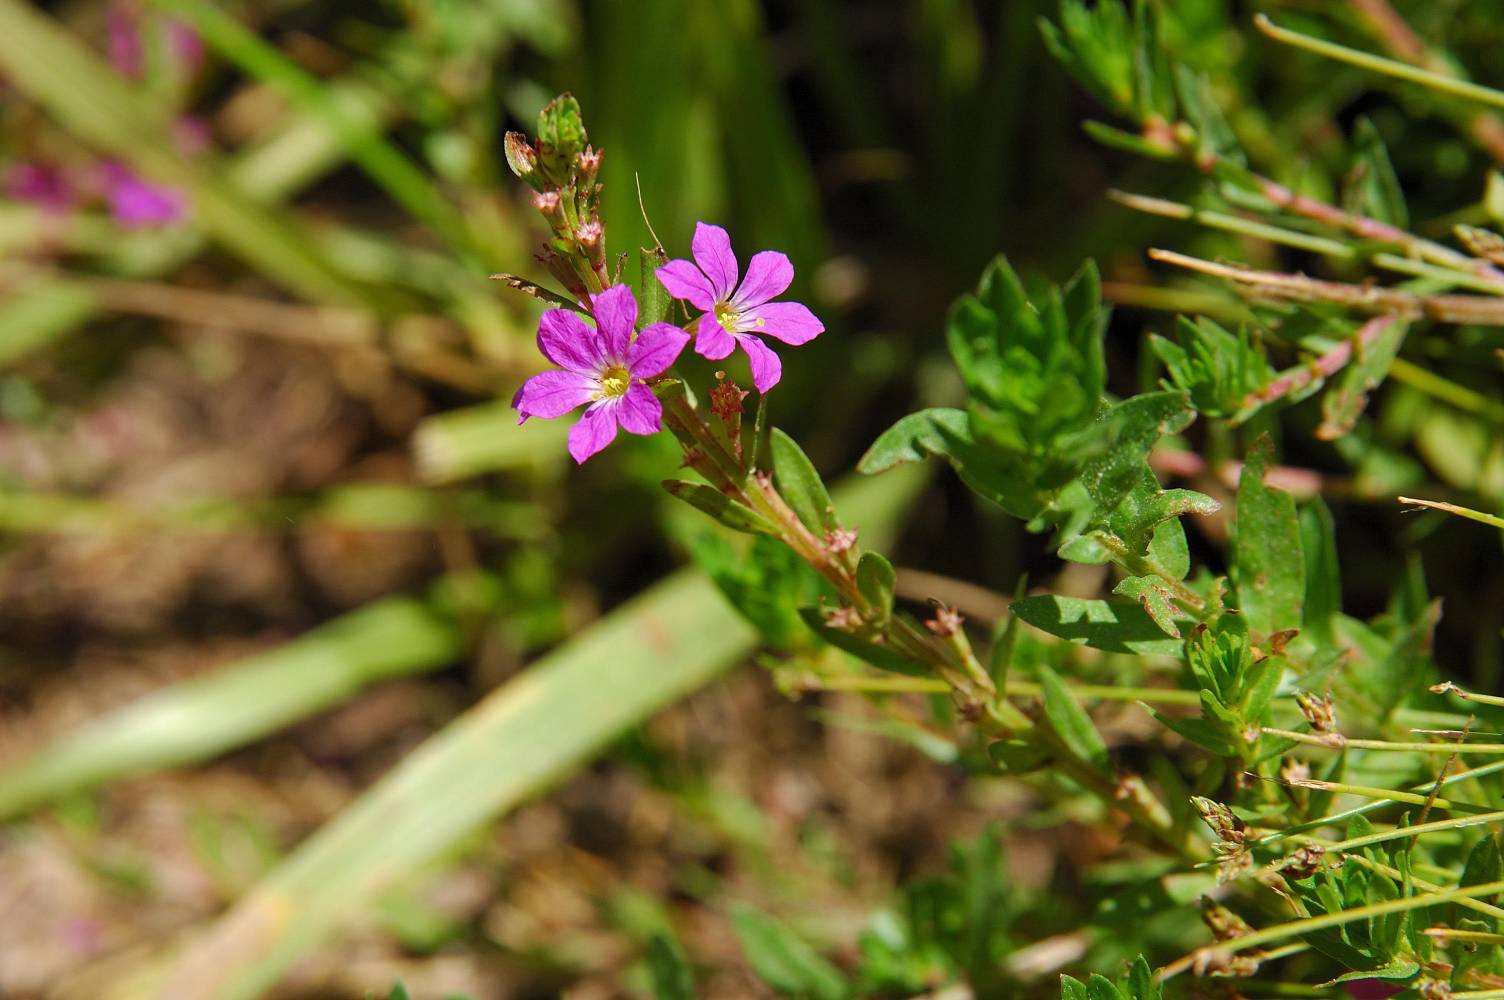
(602, 366)
(138, 204)
(44, 187)
(740, 315)
(127, 54)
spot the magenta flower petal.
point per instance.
(615, 315)
(685, 281)
(639, 410)
(712, 341)
(553, 394)
(769, 275)
(655, 349)
(137, 203)
(789, 322)
(712, 250)
(766, 368)
(566, 340)
(595, 430)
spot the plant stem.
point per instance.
(1013, 689)
(1389, 67)
(1322, 367)
(1336, 741)
(1296, 928)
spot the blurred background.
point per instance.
(253, 425)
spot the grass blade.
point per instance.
(201, 718)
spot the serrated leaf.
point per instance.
(719, 506)
(1117, 626)
(1154, 598)
(672, 978)
(875, 579)
(862, 646)
(1070, 721)
(801, 485)
(1267, 566)
(783, 960)
(1344, 401)
(946, 433)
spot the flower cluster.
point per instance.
(606, 369)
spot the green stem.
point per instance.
(1297, 928)
(1336, 741)
(1387, 67)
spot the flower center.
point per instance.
(726, 316)
(615, 381)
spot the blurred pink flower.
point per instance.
(45, 187)
(138, 204)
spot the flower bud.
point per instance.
(551, 207)
(592, 239)
(726, 399)
(522, 157)
(1320, 712)
(839, 540)
(588, 163)
(946, 623)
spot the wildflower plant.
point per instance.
(1285, 782)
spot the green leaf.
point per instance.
(862, 645)
(1267, 565)
(1323, 597)
(1095, 46)
(1140, 984)
(1217, 369)
(1373, 189)
(1070, 721)
(398, 992)
(801, 485)
(672, 978)
(1214, 137)
(785, 962)
(1154, 597)
(1344, 402)
(914, 438)
(1072, 988)
(1119, 444)
(1205, 734)
(1099, 987)
(1017, 756)
(1116, 626)
(1484, 863)
(719, 506)
(947, 433)
(652, 298)
(875, 579)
